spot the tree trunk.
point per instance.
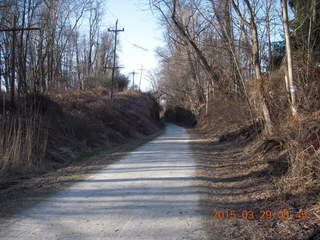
(257, 65)
(268, 29)
(0, 71)
(256, 61)
(289, 56)
(13, 62)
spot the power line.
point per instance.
(126, 37)
(137, 46)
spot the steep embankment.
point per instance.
(51, 131)
(87, 121)
(257, 187)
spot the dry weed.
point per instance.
(23, 142)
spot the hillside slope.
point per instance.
(50, 131)
(251, 172)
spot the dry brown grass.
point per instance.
(288, 161)
(64, 126)
(250, 175)
(299, 135)
(23, 141)
(224, 115)
(302, 179)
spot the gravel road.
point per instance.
(152, 193)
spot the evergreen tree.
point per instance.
(306, 24)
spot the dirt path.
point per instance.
(152, 193)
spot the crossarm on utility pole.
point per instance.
(18, 29)
(14, 31)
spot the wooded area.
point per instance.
(244, 73)
(255, 63)
(224, 47)
(247, 61)
(50, 50)
(55, 45)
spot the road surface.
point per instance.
(149, 194)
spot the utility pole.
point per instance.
(133, 74)
(115, 31)
(113, 69)
(141, 69)
(14, 31)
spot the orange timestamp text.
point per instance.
(259, 214)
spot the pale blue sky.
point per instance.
(142, 29)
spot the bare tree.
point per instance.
(289, 77)
(56, 57)
(255, 57)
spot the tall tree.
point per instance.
(256, 58)
(289, 56)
